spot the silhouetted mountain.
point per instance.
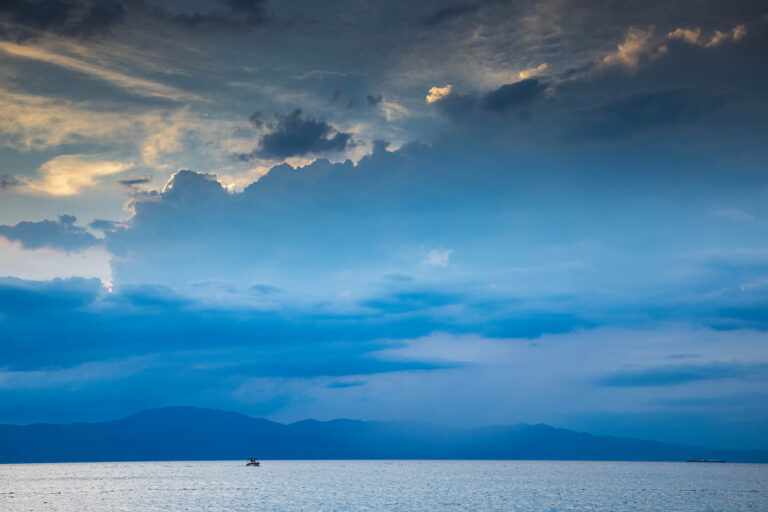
(187, 433)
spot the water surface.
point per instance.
(384, 485)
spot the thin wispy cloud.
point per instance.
(133, 84)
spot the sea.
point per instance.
(383, 486)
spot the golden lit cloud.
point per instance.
(438, 93)
(528, 73)
(690, 36)
(67, 175)
(693, 36)
(636, 44)
(735, 34)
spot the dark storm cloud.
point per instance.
(21, 296)
(683, 374)
(67, 17)
(374, 100)
(642, 111)
(296, 135)
(19, 19)
(503, 100)
(445, 14)
(135, 180)
(513, 95)
(237, 13)
(7, 181)
(84, 320)
(62, 234)
(225, 13)
(104, 225)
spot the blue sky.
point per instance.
(469, 213)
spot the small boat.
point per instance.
(253, 462)
(693, 459)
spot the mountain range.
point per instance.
(188, 433)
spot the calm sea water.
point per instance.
(384, 485)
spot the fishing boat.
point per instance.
(253, 462)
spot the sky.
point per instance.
(469, 212)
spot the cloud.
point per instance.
(438, 257)
(135, 85)
(509, 96)
(62, 234)
(39, 122)
(690, 36)
(104, 225)
(735, 34)
(394, 111)
(339, 384)
(264, 289)
(438, 93)
(67, 17)
(240, 14)
(412, 301)
(531, 72)
(683, 374)
(447, 14)
(22, 296)
(503, 100)
(636, 45)
(8, 182)
(296, 135)
(68, 175)
(135, 180)
(640, 112)
(25, 19)
(693, 36)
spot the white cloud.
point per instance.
(438, 93)
(67, 175)
(394, 111)
(438, 257)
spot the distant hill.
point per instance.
(187, 433)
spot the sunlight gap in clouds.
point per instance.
(46, 263)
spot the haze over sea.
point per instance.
(384, 485)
